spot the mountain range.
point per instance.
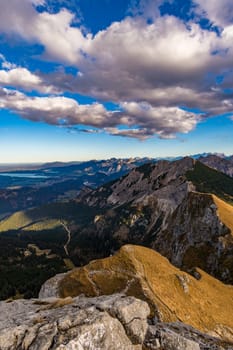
(27, 186)
(181, 209)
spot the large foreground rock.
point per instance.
(105, 323)
(113, 322)
(173, 295)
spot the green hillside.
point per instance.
(208, 180)
(47, 217)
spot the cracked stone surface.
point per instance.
(180, 336)
(113, 323)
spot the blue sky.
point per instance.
(85, 79)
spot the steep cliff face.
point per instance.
(166, 179)
(172, 295)
(199, 234)
(167, 206)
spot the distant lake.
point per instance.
(25, 175)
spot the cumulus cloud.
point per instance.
(164, 62)
(54, 31)
(57, 110)
(141, 119)
(163, 121)
(22, 78)
(151, 69)
(219, 12)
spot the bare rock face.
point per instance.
(51, 288)
(106, 323)
(114, 322)
(194, 237)
(179, 336)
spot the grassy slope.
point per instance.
(46, 217)
(146, 274)
(225, 212)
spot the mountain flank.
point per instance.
(173, 295)
(225, 212)
(182, 209)
(222, 164)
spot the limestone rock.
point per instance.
(104, 323)
(114, 322)
(50, 287)
(178, 336)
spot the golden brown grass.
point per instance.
(47, 305)
(225, 212)
(143, 273)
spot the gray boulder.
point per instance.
(105, 323)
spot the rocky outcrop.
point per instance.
(179, 336)
(197, 236)
(173, 295)
(105, 323)
(51, 287)
(113, 322)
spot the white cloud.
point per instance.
(5, 63)
(150, 69)
(53, 110)
(151, 60)
(163, 121)
(54, 31)
(219, 12)
(141, 120)
(141, 134)
(24, 79)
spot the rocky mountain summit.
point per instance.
(148, 305)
